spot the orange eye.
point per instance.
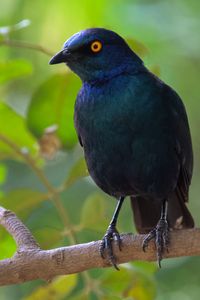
(96, 46)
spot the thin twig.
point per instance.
(52, 191)
(26, 45)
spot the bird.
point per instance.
(135, 135)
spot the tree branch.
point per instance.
(25, 45)
(30, 262)
(18, 230)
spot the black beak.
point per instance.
(59, 58)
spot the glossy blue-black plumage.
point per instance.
(132, 126)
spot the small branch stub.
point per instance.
(30, 262)
(18, 230)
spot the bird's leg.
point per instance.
(160, 233)
(111, 233)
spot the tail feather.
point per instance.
(147, 212)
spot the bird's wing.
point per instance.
(178, 213)
(183, 147)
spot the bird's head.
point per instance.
(96, 53)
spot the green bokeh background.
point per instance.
(170, 32)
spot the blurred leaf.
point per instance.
(155, 69)
(53, 104)
(3, 173)
(22, 24)
(117, 281)
(93, 213)
(141, 290)
(111, 298)
(22, 201)
(149, 268)
(79, 170)
(139, 48)
(57, 289)
(81, 296)
(131, 283)
(47, 237)
(8, 245)
(16, 131)
(5, 30)
(13, 69)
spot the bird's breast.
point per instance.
(127, 146)
(102, 128)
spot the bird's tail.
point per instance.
(147, 213)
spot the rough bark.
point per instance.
(31, 262)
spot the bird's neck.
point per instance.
(104, 76)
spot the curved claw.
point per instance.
(151, 235)
(161, 235)
(106, 245)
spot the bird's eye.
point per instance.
(96, 46)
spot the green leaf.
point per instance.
(131, 283)
(13, 69)
(79, 170)
(53, 104)
(148, 268)
(16, 132)
(83, 295)
(5, 30)
(93, 213)
(155, 69)
(22, 201)
(57, 289)
(137, 47)
(3, 173)
(109, 297)
(8, 245)
(117, 282)
(48, 237)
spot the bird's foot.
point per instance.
(107, 247)
(161, 235)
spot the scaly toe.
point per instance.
(161, 235)
(106, 245)
(148, 238)
(118, 239)
(162, 239)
